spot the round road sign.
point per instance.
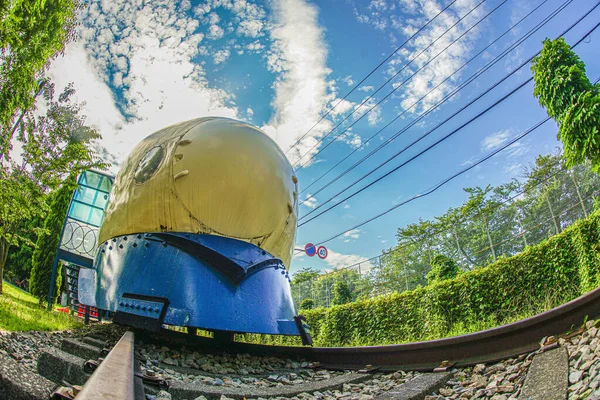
(322, 252)
(310, 249)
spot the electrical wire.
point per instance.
(444, 182)
(371, 73)
(393, 77)
(430, 131)
(445, 99)
(497, 206)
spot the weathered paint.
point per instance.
(209, 175)
(248, 293)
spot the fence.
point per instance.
(524, 219)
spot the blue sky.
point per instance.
(142, 65)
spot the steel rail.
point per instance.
(480, 347)
(114, 378)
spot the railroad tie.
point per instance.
(417, 388)
(547, 378)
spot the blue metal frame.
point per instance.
(62, 254)
(196, 280)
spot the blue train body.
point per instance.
(198, 230)
(194, 280)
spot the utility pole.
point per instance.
(578, 193)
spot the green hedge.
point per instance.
(541, 277)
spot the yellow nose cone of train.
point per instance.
(211, 175)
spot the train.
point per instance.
(199, 232)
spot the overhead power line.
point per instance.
(430, 131)
(472, 78)
(447, 136)
(444, 182)
(393, 77)
(506, 202)
(370, 73)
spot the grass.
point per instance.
(20, 311)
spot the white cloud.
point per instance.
(148, 58)
(341, 107)
(366, 88)
(299, 58)
(347, 206)
(215, 32)
(374, 116)
(339, 260)
(352, 234)
(348, 80)
(256, 47)
(221, 56)
(412, 15)
(495, 140)
(517, 149)
(513, 169)
(310, 201)
(250, 28)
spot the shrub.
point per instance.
(341, 293)
(307, 304)
(442, 268)
(542, 276)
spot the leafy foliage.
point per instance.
(566, 265)
(442, 268)
(32, 33)
(493, 222)
(341, 293)
(18, 265)
(47, 243)
(307, 304)
(54, 145)
(563, 88)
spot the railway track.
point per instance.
(119, 375)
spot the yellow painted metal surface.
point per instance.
(209, 175)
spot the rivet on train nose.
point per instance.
(290, 207)
(178, 157)
(184, 142)
(294, 179)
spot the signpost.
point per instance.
(310, 249)
(322, 252)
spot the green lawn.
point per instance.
(19, 311)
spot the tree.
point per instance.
(563, 88)
(307, 304)
(303, 284)
(442, 268)
(18, 264)
(47, 243)
(54, 145)
(32, 33)
(341, 293)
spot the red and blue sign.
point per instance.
(310, 249)
(322, 252)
